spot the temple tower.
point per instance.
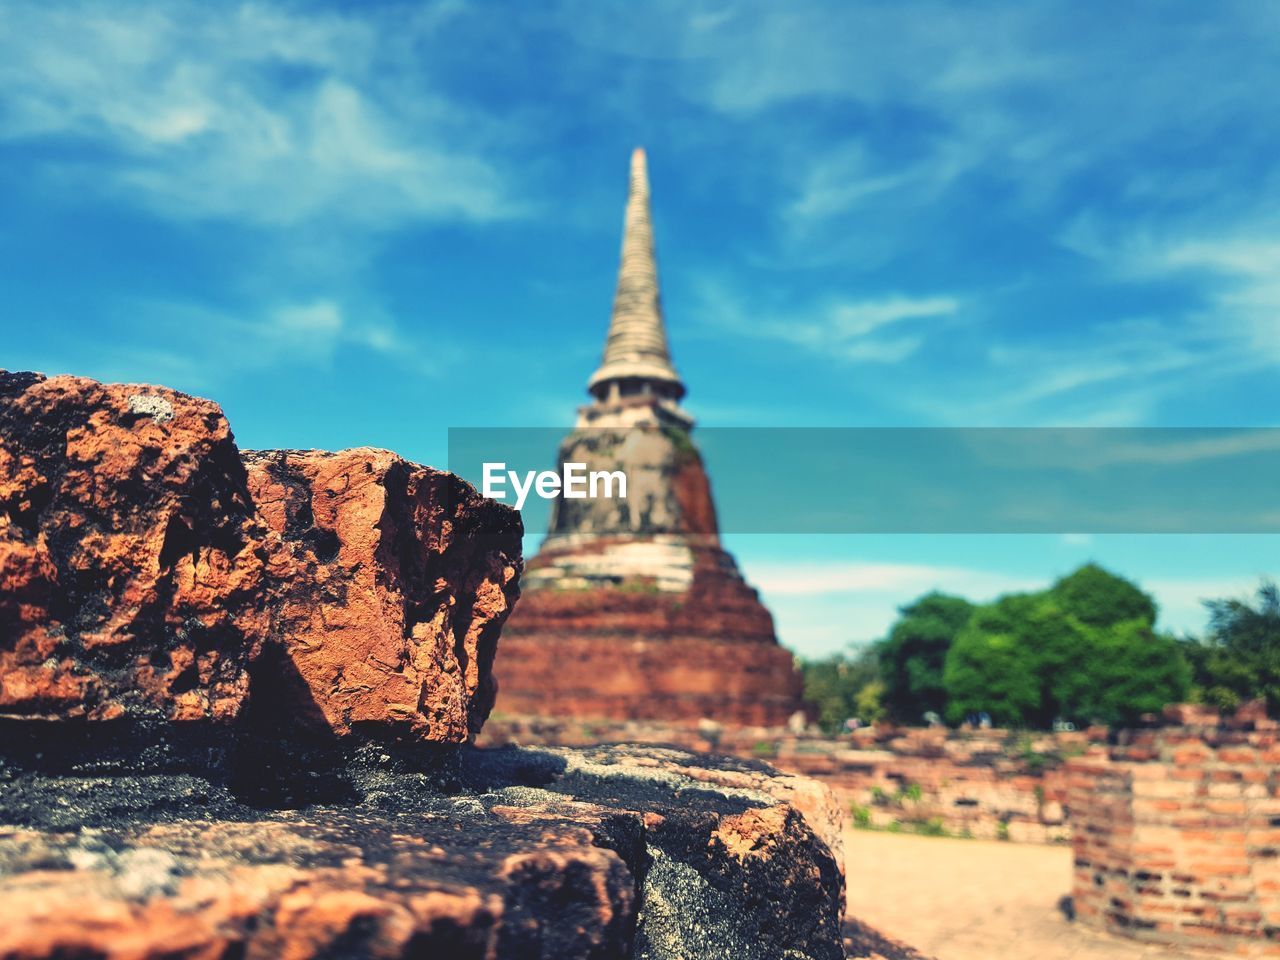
(632, 609)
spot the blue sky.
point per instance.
(364, 223)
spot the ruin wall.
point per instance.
(1177, 834)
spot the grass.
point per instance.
(932, 827)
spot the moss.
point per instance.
(682, 442)
(933, 827)
(861, 816)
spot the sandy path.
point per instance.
(973, 899)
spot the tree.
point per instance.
(1099, 598)
(914, 654)
(1133, 671)
(1083, 650)
(843, 685)
(1240, 659)
(989, 667)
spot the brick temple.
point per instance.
(632, 609)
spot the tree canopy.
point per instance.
(1099, 598)
(1085, 649)
(843, 686)
(1240, 658)
(914, 654)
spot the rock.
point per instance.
(131, 557)
(391, 583)
(864, 943)
(603, 853)
(145, 575)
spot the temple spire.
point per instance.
(636, 357)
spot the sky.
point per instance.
(361, 224)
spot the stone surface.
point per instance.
(391, 583)
(235, 713)
(612, 852)
(132, 562)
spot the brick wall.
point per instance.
(1177, 833)
(982, 783)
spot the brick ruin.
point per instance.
(987, 784)
(1177, 833)
(632, 609)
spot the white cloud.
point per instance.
(1181, 600)
(197, 347)
(1035, 93)
(852, 331)
(905, 579)
(259, 115)
(852, 320)
(322, 318)
(1232, 322)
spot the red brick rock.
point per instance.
(392, 581)
(131, 557)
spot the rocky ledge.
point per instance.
(609, 852)
(237, 694)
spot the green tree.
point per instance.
(1133, 671)
(1083, 650)
(991, 666)
(843, 685)
(1240, 659)
(1099, 598)
(914, 654)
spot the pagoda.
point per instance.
(632, 609)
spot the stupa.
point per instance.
(632, 609)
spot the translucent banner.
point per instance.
(837, 480)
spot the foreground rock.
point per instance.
(392, 582)
(132, 560)
(612, 852)
(146, 575)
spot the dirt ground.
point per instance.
(974, 899)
